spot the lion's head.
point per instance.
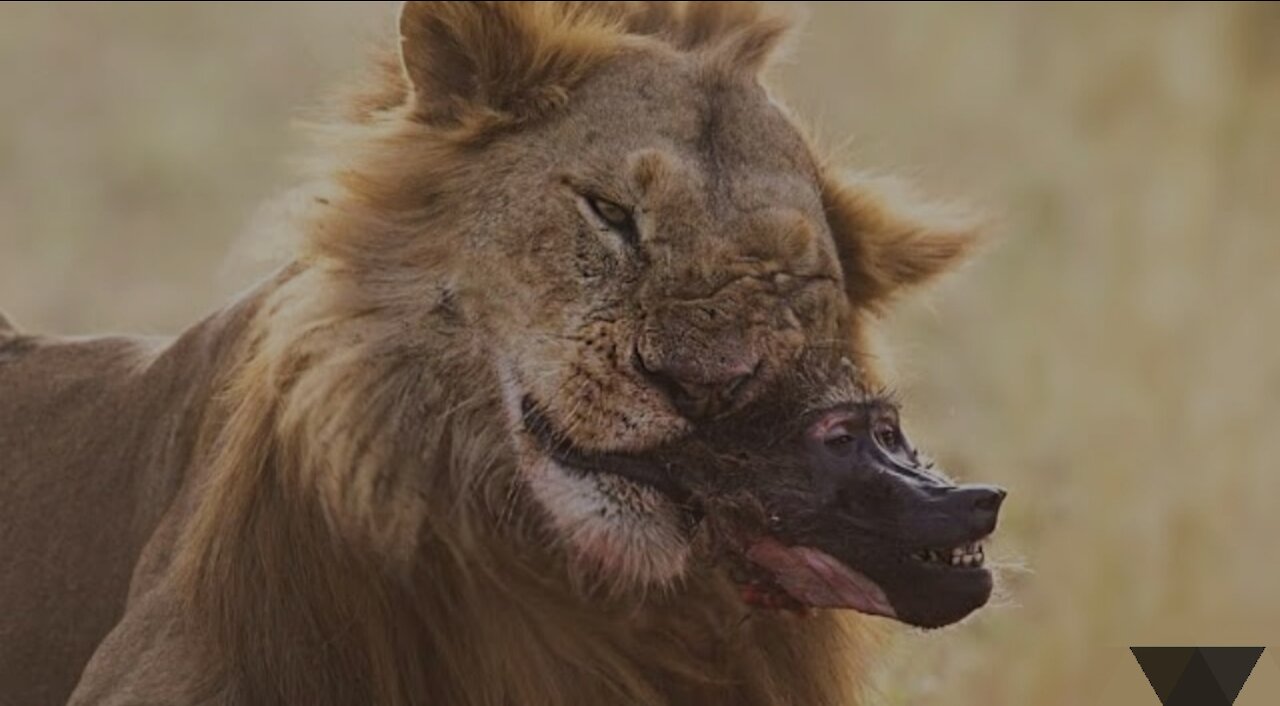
(602, 204)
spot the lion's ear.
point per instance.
(889, 242)
(505, 60)
(743, 34)
(739, 36)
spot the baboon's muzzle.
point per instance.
(838, 511)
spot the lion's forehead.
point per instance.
(726, 125)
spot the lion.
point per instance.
(469, 445)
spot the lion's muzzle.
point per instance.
(704, 357)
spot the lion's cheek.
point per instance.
(628, 533)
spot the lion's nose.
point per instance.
(699, 387)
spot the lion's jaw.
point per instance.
(628, 532)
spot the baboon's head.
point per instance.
(817, 498)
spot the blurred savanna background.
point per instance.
(1113, 358)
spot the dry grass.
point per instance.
(1114, 359)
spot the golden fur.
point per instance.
(351, 516)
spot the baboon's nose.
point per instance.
(979, 505)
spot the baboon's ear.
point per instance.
(889, 242)
(504, 60)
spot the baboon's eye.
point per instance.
(838, 437)
(888, 437)
(892, 443)
(618, 218)
(890, 440)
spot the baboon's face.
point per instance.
(819, 500)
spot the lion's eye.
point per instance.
(616, 217)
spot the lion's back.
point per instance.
(71, 456)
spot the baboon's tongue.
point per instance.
(818, 579)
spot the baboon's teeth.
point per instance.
(968, 555)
